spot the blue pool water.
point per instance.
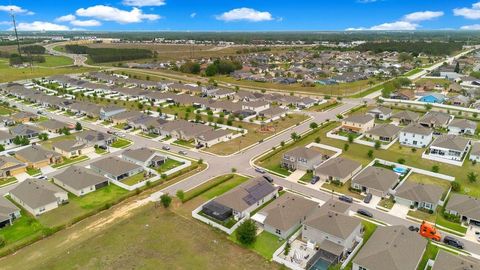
(320, 264)
(400, 170)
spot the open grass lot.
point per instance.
(121, 143)
(157, 239)
(325, 106)
(33, 171)
(55, 61)
(214, 187)
(412, 72)
(168, 165)
(254, 135)
(9, 74)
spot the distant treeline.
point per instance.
(101, 55)
(14, 42)
(33, 49)
(16, 59)
(223, 67)
(415, 48)
(253, 50)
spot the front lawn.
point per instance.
(168, 165)
(148, 135)
(121, 143)
(100, 151)
(71, 161)
(307, 178)
(183, 143)
(33, 171)
(6, 181)
(344, 189)
(429, 254)
(386, 202)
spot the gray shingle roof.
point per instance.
(453, 142)
(448, 261)
(417, 129)
(464, 205)
(359, 118)
(36, 153)
(141, 154)
(406, 115)
(437, 118)
(418, 192)
(304, 152)
(463, 123)
(79, 177)
(337, 167)
(7, 207)
(385, 130)
(36, 193)
(376, 178)
(115, 166)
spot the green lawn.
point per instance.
(55, 61)
(5, 181)
(412, 72)
(325, 106)
(265, 244)
(23, 230)
(100, 151)
(429, 254)
(215, 187)
(32, 171)
(168, 165)
(67, 161)
(344, 189)
(307, 177)
(120, 125)
(121, 143)
(48, 143)
(137, 178)
(148, 135)
(5, 111)
(183, 143)
(386, 202)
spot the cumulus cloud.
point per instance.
(107, 13)
(41, 26)
(66, 18)
(144, 3)
(422, 16)
(86, 23)
(472, 12)
(15, 9)
(245, 14)
(471, 27)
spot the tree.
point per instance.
(455, 186)
(472, 177)
(317, 140)
(401, 160)
(200, 161)
(43, 136)
(247, 232)
(435, 168)
(78, 126)
(377, 145)
(350, 138)
(345, 147)
(166, 200)
(180, 195)
(457, 68)
(370, 153)
(294, 136)
(2, 148)
(313, 125)
(428, 106)
(282, 143)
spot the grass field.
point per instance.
(6, 111)
(412, 72)
(33, 171)
(25, 228)
(214, 187)
(55, 61)
(48, 143)
(8, 180)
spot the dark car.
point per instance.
(166, 147)
(104, 147)
(364, 212)
(280, 188)
(345, 199)
(127, 127)
(198, 146)
(268, 178)
(314, 180)
(259, 170)
(368, 198)
(453, 242)
(413, 228)
(474, 222)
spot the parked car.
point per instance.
(166, 147)
(104, 147)
(345, 199)
(453, 242)
(42, 177)
(121, 135)
(259, 170)
(315, 179)
(364, 212)
(39, 112)
(181, 152)
(127, 127)
(474, 222)
(280, 188)
(368, 198)
(477, 235)
(268, 178)
(109, 132)
(198, 146)
(413, 228)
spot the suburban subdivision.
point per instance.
(132, 148)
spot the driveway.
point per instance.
(399, 210)
(296, 175)
(470, 234)
(47, 169)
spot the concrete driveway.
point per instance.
(399, 210)
(296, 175)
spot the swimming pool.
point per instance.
(400, 170)
(320, 264)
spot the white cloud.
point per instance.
(66, 18)
(422, 16)
(86, 23)
(5, 22)
(245, 14)
(193, 15)
(15, 9)
(471, 27)
(107, 13)
(144, 3)
(472, 13)
(41, 26)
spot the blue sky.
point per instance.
(241, 15)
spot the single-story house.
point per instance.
(419, 195)
(256, 106)
(10, 166)
(144, 156)
(358, 123)
(79, 180)
(303, 158)
(26, 131)
(383, 132)
(116, 168)
(468, 208)
(448, 261)
(72, 148)
(6, 138)
(37, 157)
(24, 117)
(475, 152)
(416, 135)
(434, 119)
(382, 113)
(54, 126)
(38, 196)
(405, 117)
(8, 212)
(376, 180)
(107, 112)
(94, 137)
(242, 200)
(451, 147)
(338, 169)
(392, 248)
(285, 215)
(214, 136)
(462, 126)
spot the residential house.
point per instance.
(38, 196)
(330, 229)
(376, 180)
(6, 138)
(302, 158)
(462, 126)
(124, 117)
(54, 126)
(464, 206)
(383, 132)
(450, 147)
(419, 195)
(382, 113)
(392, 248)
(144, 157)
(405, 117)
(26, 131)
(358, 123)
(475, 152)
(116, 168)
(79, 180)
(459, 100)
(434, 119)
(37, 157)
(403, 94)
(214, 136)
(273, 112)
(416, 135)
(338, 169)
(93, 137)
(256, 106)
(72, 148)
(8, 212)
(285, 215)
(24, 117)
(242, 200)
(449, 261)
(10, 166)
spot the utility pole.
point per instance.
(16, 33)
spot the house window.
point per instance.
(362, 268)
(277, 231)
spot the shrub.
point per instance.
(180, 195)
(455, 186)
(435, 168)
(247, 232)
(401, 160)
(165, 200)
